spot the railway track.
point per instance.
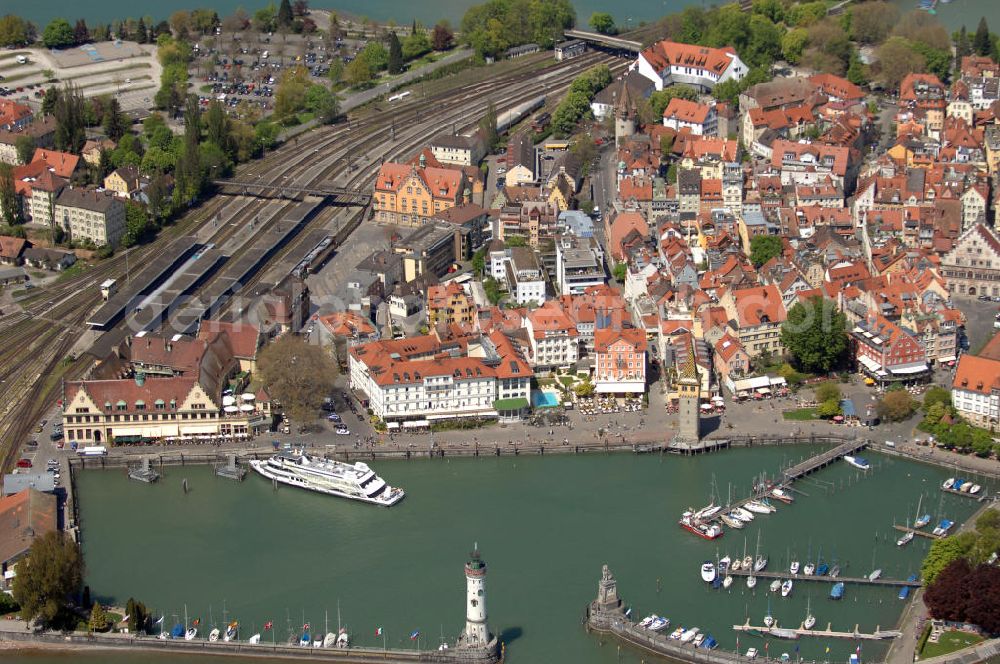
(35, 345)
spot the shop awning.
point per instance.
(392, 425)
(912, 368)
(763, 390)
(869, 363)
(168, 430)
(416, 423)
(950, 358)
(199, 428)
(121, 432)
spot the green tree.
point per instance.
(217, 125)
(299, 375)
(358, 72)
(603, 23)
(416, 45)
(828, 391)
(10, 202)
(765, 247)
(14, 31)
(943, 552)
(804, 14)
(936, 394)
(322, 103)
(896, 59)
(98, 618)
(188, 174)
(25, 147)
(857, 73)
(963, 45)
(68, 112)
(619, 271)
(829, 409)
(266, 19)
(115, 122)
(814, 333)
(48, 578)
(982, 43)
(584, 390)
(660, 99)
(395, 62)
(729, 26)
(936, 61)
(765, 41)
(492, 290)
(774, 10)
(793, 43)
(488, 127)
(376, 55)
(896, 406)
(285, 16)
(290, 97)
(871, 22)
(58, 34)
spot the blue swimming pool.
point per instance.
(540, 399)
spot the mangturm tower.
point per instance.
(689, 390)
(477, 633)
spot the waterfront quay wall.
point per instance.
(260, 650)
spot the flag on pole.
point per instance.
(305, 627)
(268, 625)
(416, 633)
(378, 631)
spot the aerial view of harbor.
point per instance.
(501, 331)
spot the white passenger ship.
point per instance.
(355, 481)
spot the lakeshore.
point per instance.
(568, 507)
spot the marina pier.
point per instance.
(822, 460)
(881, 581)
(877, 635)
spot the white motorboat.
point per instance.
(760, 563)
(794, 567)
(809, 569)
(769, 621)
(743, 515)
(775, 585)
(948, 483)
(751, 581)
(751, 653)
(190, 633)
(647, 621)
(905, 539)
(254, 640)
(344, 639)
(231, 631)
(689, 635)
(875, 575)
(724, 563)
(731, 521)
(782, 495)
(355, 481)
(728, 581)
(677, 633)
(786, 587)
(658, 624)
(757, 507)
(698, 640)
(975, 488)
(707, 512)
(214, 634)
(858, 462)
(708, 571)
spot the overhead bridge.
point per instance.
(336, 195)
(606, 41)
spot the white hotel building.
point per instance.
(666, 63)
(415, 381)
(975, 391)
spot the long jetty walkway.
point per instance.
(877, 635)
(881, 581)
(822, 460)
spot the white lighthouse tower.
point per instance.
(476, 631)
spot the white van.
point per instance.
(889, 443)
(263, 56)
(22, 59)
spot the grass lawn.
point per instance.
(568, 381)
(949, 642)
(72, 271)
(800, 414)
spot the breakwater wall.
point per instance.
(243, 649)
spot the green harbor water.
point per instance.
(627, 14)
(545, 525)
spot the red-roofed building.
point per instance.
(62, 164)
(620, 361)
(622, 228)
(731, 361)
(975, 391)
(14, 116)
(348, 325)
(805, 163)
(423, 378)
(245, 339)
(837, 88)
(450, 305)
(666, 63)
(554, 339)
(411, 195)
(972, 266)
(887, 352)
(755, 316)
(680, 114)
(25, 516)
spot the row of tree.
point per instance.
(962, 586)
(496, 25)
(576, 104)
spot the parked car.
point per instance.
(24, 463)
(343, 431)
(333, 417)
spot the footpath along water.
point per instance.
(544, 524)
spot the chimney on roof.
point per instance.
(140, 378)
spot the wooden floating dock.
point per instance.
(922, 533)
(822, 460)
(981, 496)
(877, 635)
(881, 581)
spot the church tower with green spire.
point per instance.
(689, 391)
